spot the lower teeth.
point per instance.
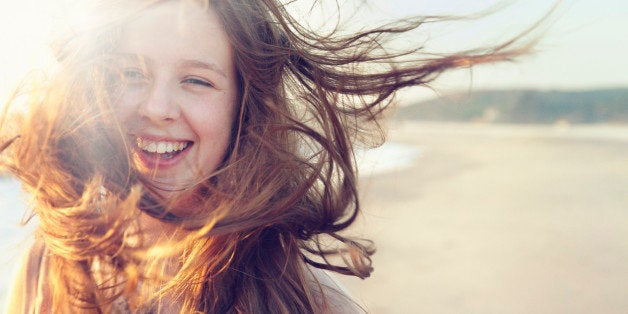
(163, 156)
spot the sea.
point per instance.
(15, 237)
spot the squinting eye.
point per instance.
(196, 81)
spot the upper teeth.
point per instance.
(161, 146)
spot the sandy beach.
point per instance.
(499, 219)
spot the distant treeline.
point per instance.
(524, 106)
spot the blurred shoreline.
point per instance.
(598, 131)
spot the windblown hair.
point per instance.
(285, 191)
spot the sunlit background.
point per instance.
(584, 47)
(468, 217)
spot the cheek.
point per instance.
(214, 114)
(122, 113)
(213, 126)
(125, 104)
(213, 122)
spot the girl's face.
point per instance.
(179, 94)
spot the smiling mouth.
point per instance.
(163, 150)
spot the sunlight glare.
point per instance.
(24, 43)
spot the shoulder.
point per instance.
(330, 294)
(26, 293)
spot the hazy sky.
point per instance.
(585, 47)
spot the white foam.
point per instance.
(387, 158)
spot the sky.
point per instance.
(584, 46)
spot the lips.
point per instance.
(160, 153)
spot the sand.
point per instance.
(500, 219)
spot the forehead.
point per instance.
(176, 29)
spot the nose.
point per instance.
(160, 105)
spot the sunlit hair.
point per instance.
(284, 193)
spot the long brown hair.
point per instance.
(285, 192)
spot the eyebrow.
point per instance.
(204, 65)
(185, 63)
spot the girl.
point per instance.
(197, 156)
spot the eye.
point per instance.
(197, 81)
(133, 75)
